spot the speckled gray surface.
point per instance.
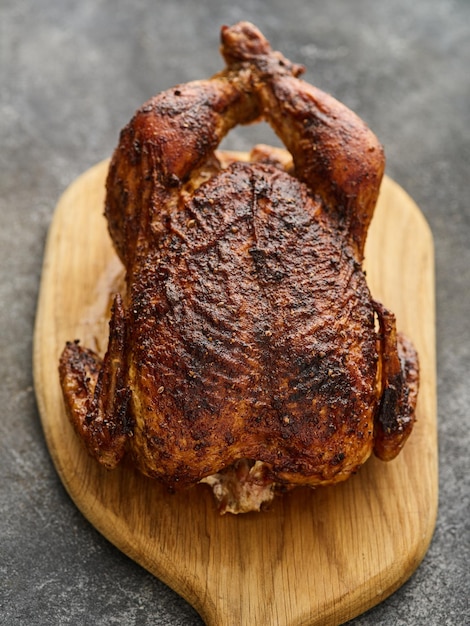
(71, 74)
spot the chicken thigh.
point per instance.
(247, 351)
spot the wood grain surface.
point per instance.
(317, 557)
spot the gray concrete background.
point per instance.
(71, 75)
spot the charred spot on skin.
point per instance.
(171, 180)
(200, 446)
(124, 419)
(267, 265)
(389, 402)
(229, 438)
(337, 459)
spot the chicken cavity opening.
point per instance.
(242, 487)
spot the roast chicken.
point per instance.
(247, 351)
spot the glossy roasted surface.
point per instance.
(248, 330)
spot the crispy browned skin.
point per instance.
(248, 330)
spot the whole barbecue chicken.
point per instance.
(247, 351)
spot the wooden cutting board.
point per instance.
(317, 557)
